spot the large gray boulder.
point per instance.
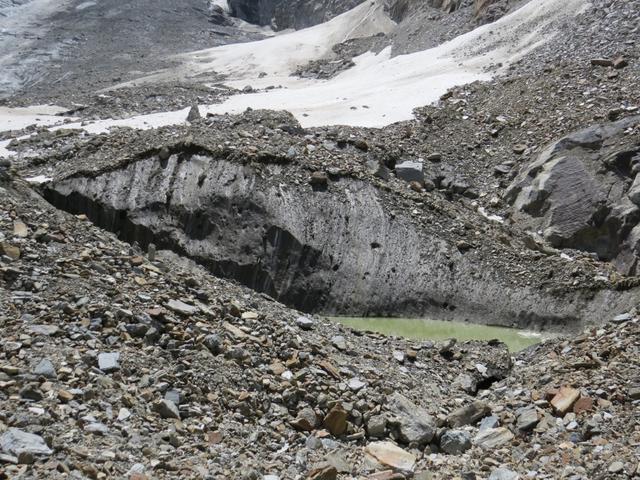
(580, 192)
(414, 424)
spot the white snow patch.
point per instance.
(223, 4)
(389, 87)
(39, 180)
(19, 118)
(279, 55)
(491, 217)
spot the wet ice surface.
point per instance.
(21, 25)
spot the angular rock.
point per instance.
(469, 414)
(410, 171)
(16, 442)
(527, 418)
(414, 424)
(45, 368)
(390, 455)
(493, 438)
(180, 307)
(109, 361)
(504, 474)
(564, 399)
(455, 442)
(306, 420)
(166, 409)
(336, 420)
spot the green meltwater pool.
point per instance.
(422, 329)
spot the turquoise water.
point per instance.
(422, 329)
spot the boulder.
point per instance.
(413, 423)
(455, 442)
(16, 442)
(390, 455)
(576, 192)
(469, 414)
(410, 171)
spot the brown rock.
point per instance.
(10, 251)
(584, 404)
(620, 63)
(469, 414)
(601, 62)
(564, 399)
(306, 420)
(324, 473)
(336, 420)
(390, 455)
(386, 475)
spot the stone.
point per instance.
(622, 318)
(10, 251)
(213, 343)
(390, 455)
(469, 414)
(410, 171)
(455, 442)
(466, 383)
(328, 472)
(305, 323)
(339, 342)
(336, 420)
(620, 63)
(519, 149)
(45, 368)
(20, 229)
(194, 114)
(109, 361)
(338, 460)
(634, 393)
(414, 424)
(584, 404)
(306, 420)
(355, 384)
(504, 474)
(376, 426)
(616, 467)
(489, 422)
(319, 179)
(16, 442)
(166, 409)
(564, 399)
(493, 438)
(46, 330)
(435, 157)
(601, 62)
(181, 308)
(527, 418)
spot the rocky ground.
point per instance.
(124, 360)
(120, 364)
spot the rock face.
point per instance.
(580, 192)
(340, 249)
(289, 14)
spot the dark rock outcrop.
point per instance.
(581, 194)
(289, 14)
(340, 249)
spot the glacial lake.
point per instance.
(438, 330)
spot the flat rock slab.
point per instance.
(564, 399)
(390, 455)
(108, 361)
(493, 438)
(180, 307)
(16, 441)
